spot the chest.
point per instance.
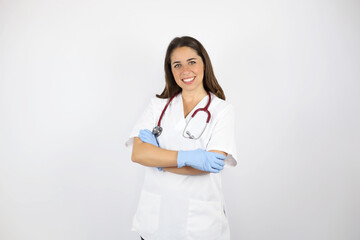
(188, 107)
(175, 121)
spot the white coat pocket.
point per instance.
(206, 220)
(146, 220)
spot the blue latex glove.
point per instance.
(202, 160)
(147, 137)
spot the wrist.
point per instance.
(181, 159)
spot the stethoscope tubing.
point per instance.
(163, 111)
(205, 109)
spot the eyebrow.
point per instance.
(186, 60)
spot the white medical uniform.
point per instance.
(185, 207)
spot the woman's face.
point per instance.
(187, 68)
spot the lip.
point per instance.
(187, 83)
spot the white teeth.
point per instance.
(188, 79)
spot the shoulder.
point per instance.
(155, 101)
(222, 114)
(220, 105)
(157, 104)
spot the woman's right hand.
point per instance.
(202, 160)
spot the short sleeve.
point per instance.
(146, 121)
(223, 136)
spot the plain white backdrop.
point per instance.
(76, 75)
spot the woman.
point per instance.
(182, 196)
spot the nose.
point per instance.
(186, 68)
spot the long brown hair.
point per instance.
(210, 83)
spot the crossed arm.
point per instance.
(149, 155)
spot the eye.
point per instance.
(192, 62)
(176, 65)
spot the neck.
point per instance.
(193, 96)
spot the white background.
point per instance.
(75, 75)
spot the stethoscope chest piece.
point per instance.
(157, 131)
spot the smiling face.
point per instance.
(188, 69)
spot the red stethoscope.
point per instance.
(186, 133)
